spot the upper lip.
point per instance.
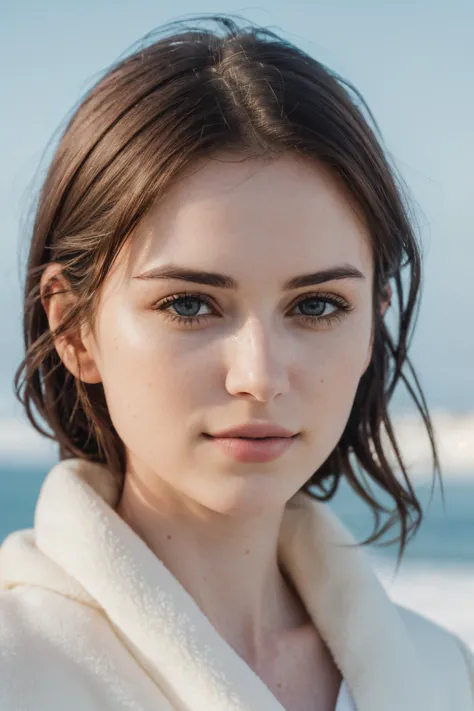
(257, 429)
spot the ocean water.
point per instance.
(436, 577)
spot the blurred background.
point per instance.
(414, 64)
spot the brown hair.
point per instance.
(188, 94)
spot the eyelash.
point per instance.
(343, 308)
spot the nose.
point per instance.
(257, 363)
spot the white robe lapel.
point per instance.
(352, 611)
(174, 641)
(152, 613)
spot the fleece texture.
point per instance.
(91, 619)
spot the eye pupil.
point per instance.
(320, 306)
(187, 301)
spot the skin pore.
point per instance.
(256, 354)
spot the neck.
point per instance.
(228, 564)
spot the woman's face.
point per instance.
(258, 351)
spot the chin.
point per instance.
(249, 495)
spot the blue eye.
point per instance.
(185, 302)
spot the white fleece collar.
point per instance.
(83, 549)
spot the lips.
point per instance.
(253, 449)
(262, 430)
(254, 438)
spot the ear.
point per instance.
(383, 308)
(75, 349)
(388, 299)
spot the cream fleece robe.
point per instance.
(91, 619)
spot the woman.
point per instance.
(208, 193)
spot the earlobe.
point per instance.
(80, 363)
(385, 305)
(57, 299)
(89, 371)
(388, 299)
(369, 357)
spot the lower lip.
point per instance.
(253, 450)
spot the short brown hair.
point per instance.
(185, 95)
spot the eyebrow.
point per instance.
(222, 281)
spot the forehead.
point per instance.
(285, 215)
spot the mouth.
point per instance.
(256, 438)
(248, 438)
(252, 449)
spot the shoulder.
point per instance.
(26, 610)
(449, 659)
(427, 634)
(55, 653)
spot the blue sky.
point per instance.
(412, 61)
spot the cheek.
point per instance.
(341, 368)
(149, 378)
(339, 358)
(332, 383)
